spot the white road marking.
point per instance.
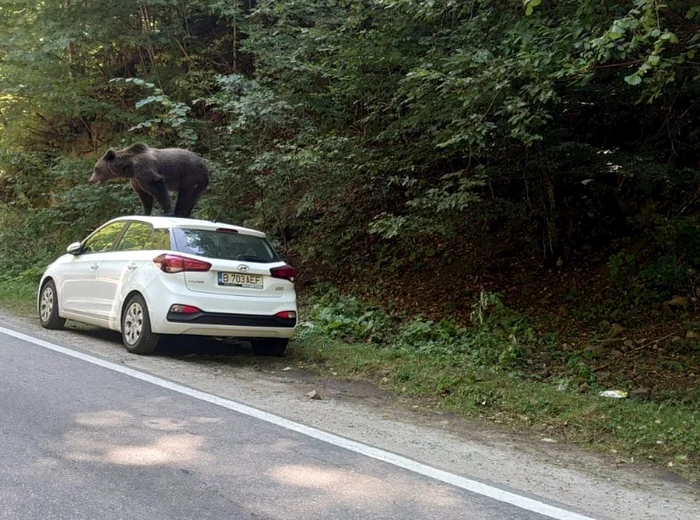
(473, 486)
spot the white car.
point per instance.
(149, 277)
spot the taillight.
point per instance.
(284, 271)
(288, 315)
(226, 230)
(178, 264)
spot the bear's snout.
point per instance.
(95, 179)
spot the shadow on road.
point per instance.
(175, 346)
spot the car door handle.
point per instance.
(94, 266)
(132, 266)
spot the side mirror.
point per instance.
(75, 248)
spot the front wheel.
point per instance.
(48, 307)
(269, 346)
(137, 336)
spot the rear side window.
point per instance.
(160, 239)
(225, 246)
(135, 237)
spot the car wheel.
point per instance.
(269, 346)
(48, 307)
(136, 327)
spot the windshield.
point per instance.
(225, 245)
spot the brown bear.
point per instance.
(153, 172)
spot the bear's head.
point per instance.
(106, 168)
(117, 164)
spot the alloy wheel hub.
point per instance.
(133, 323)
(47, 302)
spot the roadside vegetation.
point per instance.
(18, 296)
(500, 369)
(495, 205)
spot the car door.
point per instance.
(78, 291)
(118, 268)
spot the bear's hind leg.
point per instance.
(186, 201)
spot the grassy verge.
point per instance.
(662, 433)
(18, 296)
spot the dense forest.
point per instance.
(403, 135)
(517, 182)
(431, 148)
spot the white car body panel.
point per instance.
(78, 276)
(93, 287)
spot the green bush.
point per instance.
(495, 342)
(483, 347)
(348, 318)
(666, 276)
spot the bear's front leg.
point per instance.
(146, 198)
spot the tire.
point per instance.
(137, 336)
(48, 307)
(269, 346)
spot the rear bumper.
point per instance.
(222, 331)
(241, 331)
(231, 320)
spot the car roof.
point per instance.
(187, 223)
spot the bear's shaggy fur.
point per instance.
(153, 172)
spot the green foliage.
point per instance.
(497, 341)
(472, 349)
(646, 37)
(173, 115)
(671, 268)
(621, 265)
(666, 276)
(18, 294)
(354, 122)
(347, 318)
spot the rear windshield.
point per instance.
(225, 245)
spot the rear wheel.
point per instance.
(269, 346)
(48, 307)
(137, 336)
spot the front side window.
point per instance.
(225, 245)
(103, 239)
(135, 237)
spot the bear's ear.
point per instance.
(110, 155)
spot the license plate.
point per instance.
(253, 281)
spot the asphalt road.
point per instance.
(80, 441)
